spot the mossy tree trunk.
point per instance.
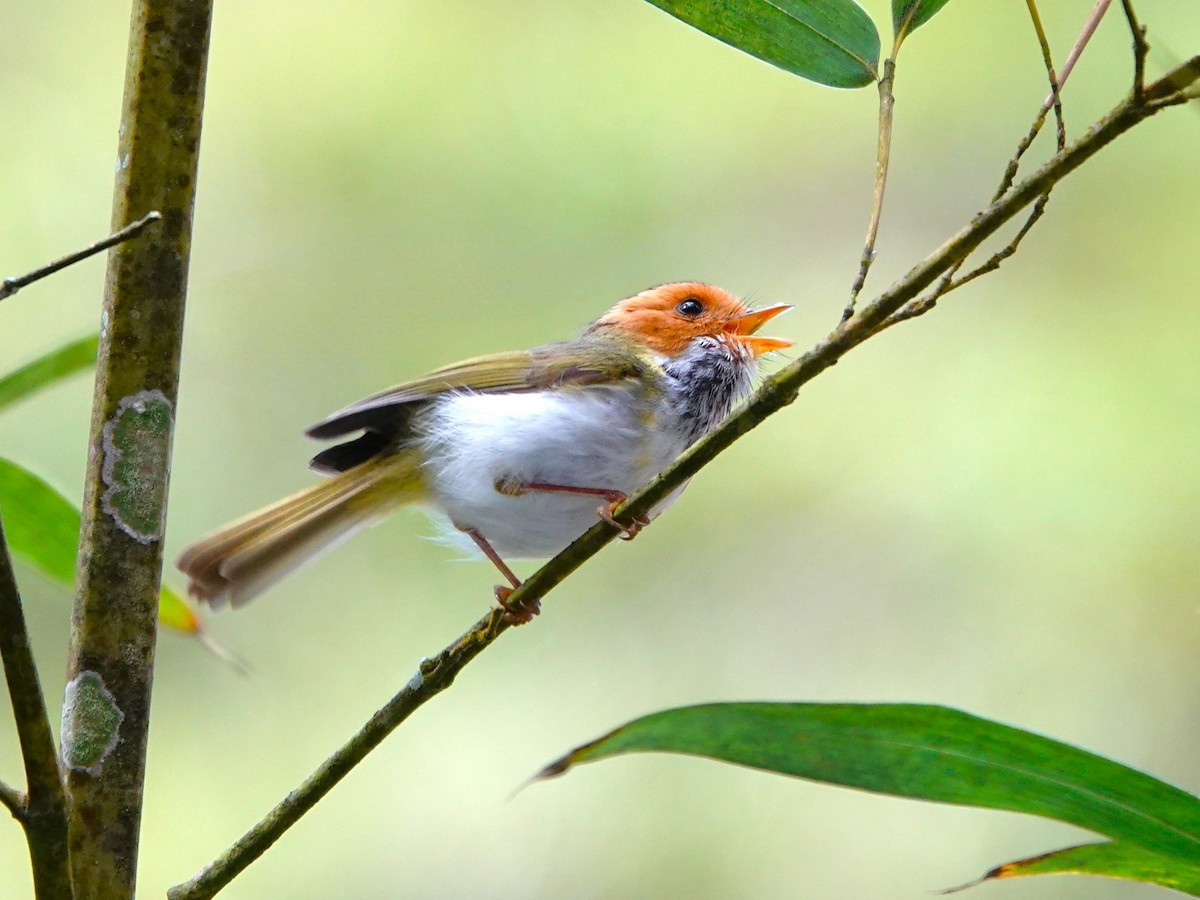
(107, 702)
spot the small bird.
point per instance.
(514, 449)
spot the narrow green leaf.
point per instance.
(42, 527)
(1115, 860)
(909, 15)
(925, 752)
(831, 42)
(66, 360)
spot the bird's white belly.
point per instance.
(602, 437)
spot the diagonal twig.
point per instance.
(1054, 101)
(776, 392)
(10, 286)
(1089, 28)
(949, 281)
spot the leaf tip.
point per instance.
(556, 768)
(550, 771)
(963, 887)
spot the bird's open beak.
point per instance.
(743, 327)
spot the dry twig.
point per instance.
(10, 286)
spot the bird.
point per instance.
(513, 450)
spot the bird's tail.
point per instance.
(238, 562)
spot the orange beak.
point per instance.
(743, 327)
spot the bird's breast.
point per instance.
(610, 437)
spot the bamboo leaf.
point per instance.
(1114, 859)
(832, 42)
(42, 527)
(55, 365)
(924, 752)
(909, 15)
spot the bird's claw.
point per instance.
(628, 532)
(515, 614)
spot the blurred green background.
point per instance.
(996, 507)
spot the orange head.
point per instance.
(669, 317)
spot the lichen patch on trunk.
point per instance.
(137, 441)
(91, 723)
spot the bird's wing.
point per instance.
(385, 416)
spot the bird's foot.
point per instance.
(628, 532)
(516, 614)
(515, 487)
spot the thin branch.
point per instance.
(1060, 142)
(883, 154)
(1056, 83)
(44, 811)
(949, 281)
(13, 800)
(433, 677)
(1140, 49)
(1053, 101)
(1089, 28)
(776, 392)
(10, 286)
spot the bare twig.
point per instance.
(111, 664)
(12, 800)
(949, 282)
(1089, 28)
(1140, 49)
(1060, 140)
(1053, 101)
(883, 154)
(10, 286)
(433, 677)
(776, 392)
(1056, 84)
(994, 261)
(43, 812)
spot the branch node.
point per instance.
(14, 801)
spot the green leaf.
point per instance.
(57, 364)
(909, 15)
(925, 752)
(1116, 860)
(42, 527)
(832, 42)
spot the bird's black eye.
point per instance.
(691, 307)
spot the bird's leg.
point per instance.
(514, 487)
(516, 615)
